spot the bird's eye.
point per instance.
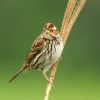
(51, 30)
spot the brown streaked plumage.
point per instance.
(45, 51)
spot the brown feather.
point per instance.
(35, 49)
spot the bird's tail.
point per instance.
(18, 73)
(15, 76)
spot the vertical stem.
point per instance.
(72, 11)
(68, 14)
(50, 82)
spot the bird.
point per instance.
(45, 51)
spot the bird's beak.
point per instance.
(52, 34)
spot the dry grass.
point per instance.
(72, 11)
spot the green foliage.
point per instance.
(78, 75)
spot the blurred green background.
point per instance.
(78, 74)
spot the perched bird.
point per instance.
(45, 51)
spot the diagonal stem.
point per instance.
(68, 14)
(74, 16)
(72, 11)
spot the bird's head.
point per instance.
(51, 29)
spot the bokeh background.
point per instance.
(78, 74)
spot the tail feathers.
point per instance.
(16, 75)
(24, 68)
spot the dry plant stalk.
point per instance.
(72, 11)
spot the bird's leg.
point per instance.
(45, 76)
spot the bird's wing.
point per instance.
(37, 46)
(35, 49)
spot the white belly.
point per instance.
(56, 54)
